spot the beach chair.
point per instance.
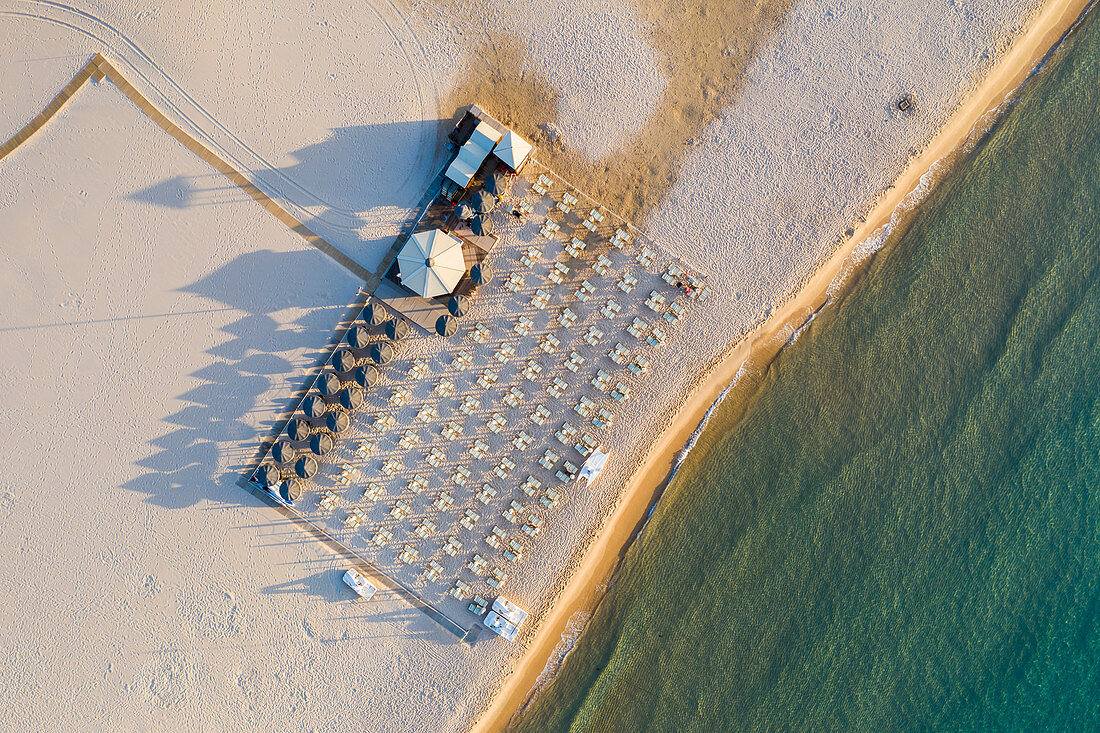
(460, 476)
(557, 387)
(486, 495)
(445, 387)
(469, 519)
(522, 441)
(479, 449)
(514, 282)
(460, 590)
(504, 353)
(427, 413)
(575, 247)
(477, 564)
(656, 337)
(586, 445)
(540, 415)
(469, 405)
(655, 302)
(602, 418)
(549, 459)
(452, 546)
(391, 466)
(497, 578)
(504, 468)
(425, 528)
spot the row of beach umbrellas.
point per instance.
(333, 401)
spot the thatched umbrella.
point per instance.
(397, 329)
(483, 226)
(329, 384)
(306, 466)
(283, 451)
(351, 397)
(268, 475)
(446, 326)
(358, 338)
(290, 491)
(366, 376)
(483, 202)
(381, 352)
(481, 274)
(464, 212)
(298, 430)
(314, 406)
(321, 443)
(497, 183)
(375, 314)
(338, 421)
(343, 360)
(458, 305)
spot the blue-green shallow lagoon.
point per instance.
(903, 531)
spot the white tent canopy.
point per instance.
(473, 154)
(513, 151)
(431, 263)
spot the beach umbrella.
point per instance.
(351, 397)
(306, 466)
(338, 421)
(497, 184)
(483, 202)
(329, 384)
(283, 451)
(268, 475)
(358, 338)
(481, 274)
(397, 329)
(458, 305)
(483, 226)
(375, 314)
(431, 263)
(321, 444)
(343, 360)
(290, 491)
(314, 406)
(381, 352)
(464, 212)
(446, 326)
(366, 376)
(298, 430)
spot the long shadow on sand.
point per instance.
(345, 180)
(214, 439)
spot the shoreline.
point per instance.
(1042, 33)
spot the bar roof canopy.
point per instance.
(472, 154)
(431, 263)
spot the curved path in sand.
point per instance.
(184, 110)
(1043, 33)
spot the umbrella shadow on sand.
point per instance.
(214, 441)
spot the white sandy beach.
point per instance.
(159, 320)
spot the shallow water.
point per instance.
(904, 530)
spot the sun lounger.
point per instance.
(637, 328)
(656, 337)
(445, 387)
(497, 578)
(496, 422)
(504, 353)
(522, 441)
(425, 528)
(477, 564)
(418, 369)
(540, 415)
(469, 519)
(621, 392)
(479, 449)
(645, 257)
(601, 380)
(372, 491)
(478, 606)
(504, 468)
(436, 458)
(530, 257)
(514, 282)
(620, 354)
(460, 590)
(549, 343)
(391, 466)
(566, 318)
(584, 407)
(433, 571)
(557, 387)
(460, 476)
(627, 283)
(602, 265)
(549, 458)
(452, 546)
(494, 538)
(566, 434)
(418, 483)
(382, 537)
(444, 501)
(584, 291)
(674, 314)
(592, 336)
(602, 418)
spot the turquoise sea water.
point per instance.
(903, 532)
